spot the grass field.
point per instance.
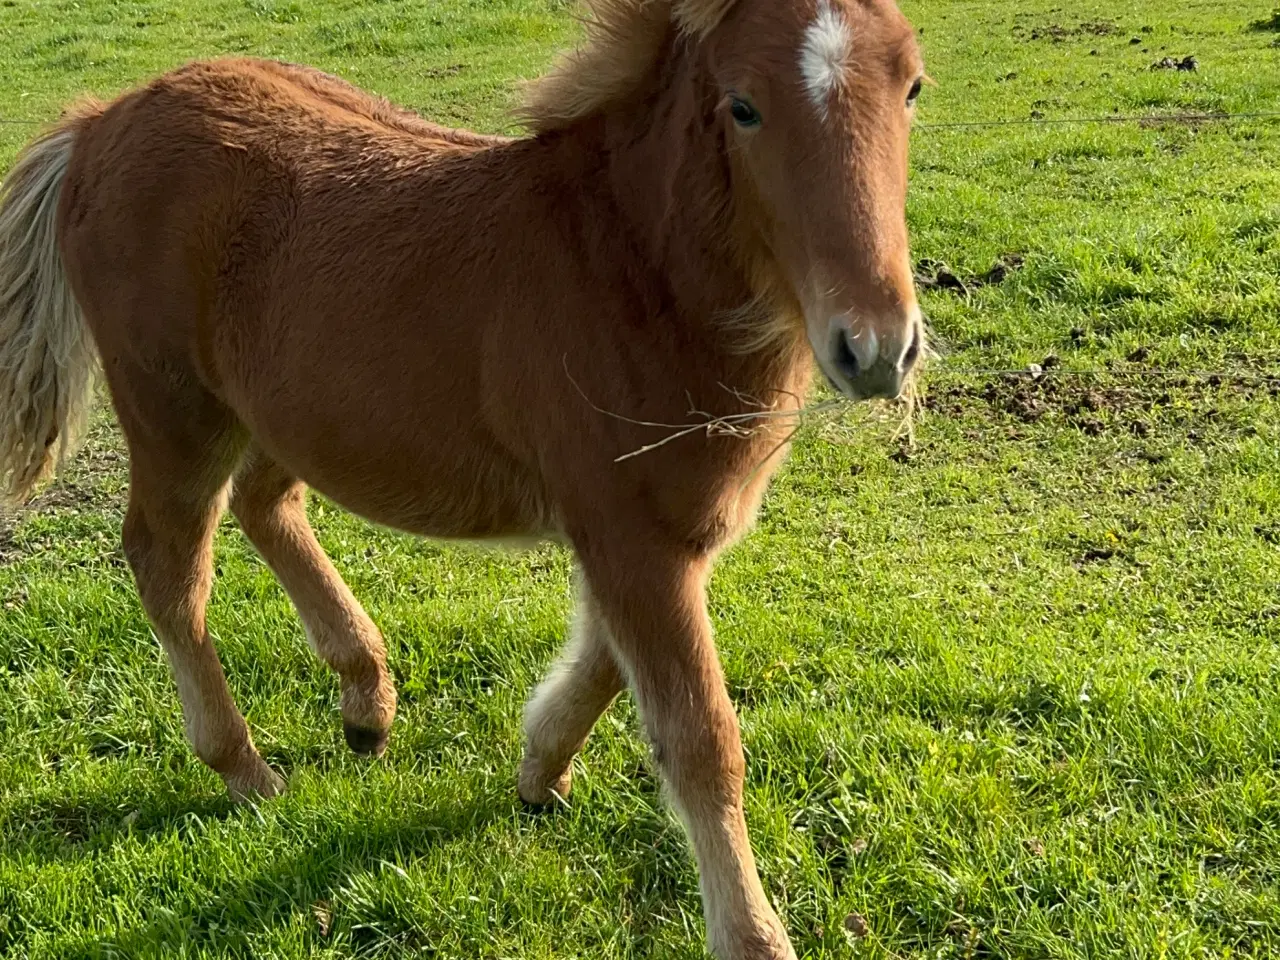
(1012, 691)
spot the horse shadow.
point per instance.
(69, 828)
(277, 888)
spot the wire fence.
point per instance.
(1150, 119)
(1120, 373)
(1153, 119)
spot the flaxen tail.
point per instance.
(48, 363)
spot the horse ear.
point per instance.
(699, 17)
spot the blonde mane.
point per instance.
(623, 40)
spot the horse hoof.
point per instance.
(258, 783)
(366, 741)
(538, 790)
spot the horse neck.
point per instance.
(669, 183)
(668, 180)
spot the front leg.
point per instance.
(654, 603)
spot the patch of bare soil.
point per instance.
(1189, 118)
(1269, 24)
(1060, 33)
(91, 481)
(1120, 399)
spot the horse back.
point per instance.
(199, 186)
(245, 226)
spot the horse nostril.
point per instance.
(845, 359)
(913, 351)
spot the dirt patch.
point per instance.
(8, 546)
(1097, 555)
(452, 70)
(1116, 400)
(1057, 33)
(1187, 119)
(61, 496)
(1270, 533)
(1185, 65)
(1269, 24)
(936, 275)
(93, 480)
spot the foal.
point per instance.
(286, 281)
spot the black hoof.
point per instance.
(536, 806)
(365, 740)
(549, 805)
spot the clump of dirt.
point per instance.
(1097, 554)
(1185, 65)
(935, 275)
(1269, 24)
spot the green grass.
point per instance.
(1013, 692)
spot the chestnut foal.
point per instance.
(286, 281)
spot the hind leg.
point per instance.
(567, 704)
(270, 504)
(183, 447)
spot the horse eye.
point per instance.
(744, 114)
(914, 95)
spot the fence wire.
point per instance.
(1153, 373)
(1153, 119)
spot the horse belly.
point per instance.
(416, 459)
(455, 504)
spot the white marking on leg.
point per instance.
(545, 708)
(824, 55)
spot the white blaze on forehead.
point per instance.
(824, 55)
